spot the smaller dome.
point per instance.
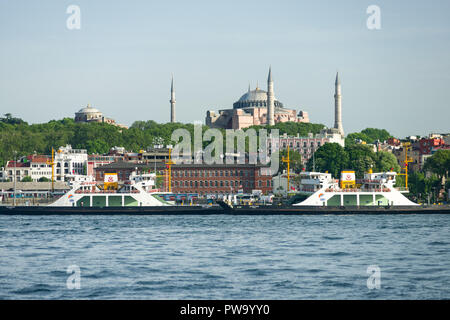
(88, 109)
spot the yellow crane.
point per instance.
(406, 146)
(52, 163)
(288, 161)
(169, 164)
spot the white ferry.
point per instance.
(139, 191)
(376, 189)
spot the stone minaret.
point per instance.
(270, 100)
(338, 106)
(172, 102)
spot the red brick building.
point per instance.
(426, 145)
(216, 179)
(220, 179)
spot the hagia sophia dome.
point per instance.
(254, 99)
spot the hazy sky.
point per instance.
(122, 58)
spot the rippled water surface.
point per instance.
(225, 257)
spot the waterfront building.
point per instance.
(70, 164)
(307, 145)
(40, 167)
(98, 160)
(90, 114)
(18, 169)
(221, 179)
(30, 192)
(255, 107)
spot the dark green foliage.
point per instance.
(333, 158)
(17, 135)
(295, 161)
(330, 157)
(368, 135)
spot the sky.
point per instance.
(123, 56)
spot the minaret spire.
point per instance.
(270, 100)
(172, 102)
(338, 105)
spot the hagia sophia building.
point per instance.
(255, 107)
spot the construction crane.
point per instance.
(169, 164)
(288, 161)
(406, 146)
(52, 163)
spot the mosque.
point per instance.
(90, 114)
(255, 107)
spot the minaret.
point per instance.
(172, 102)
(270, 100)
(338, 106)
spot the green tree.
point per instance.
(386, 161)
(295, 161)
(44, 179)
(374, 134)
(27, 179)
(361, 159)
(330, 157)
(439, 163)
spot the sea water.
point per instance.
(225, 257)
